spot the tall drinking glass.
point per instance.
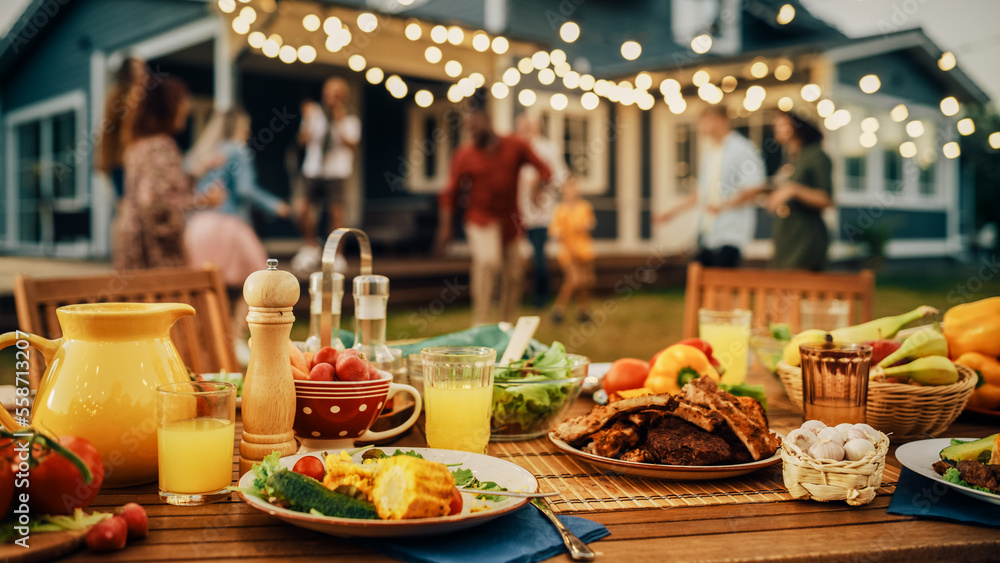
(835, 382)
(729, 334)
(196, 424)
(458, 396)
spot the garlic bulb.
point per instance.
(831, 434)
(826, 449)
(844, 427)
(858, 449)
(853, 433)
(802, 439)
(868, 431)
(813, 426)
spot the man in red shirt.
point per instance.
(488, 168)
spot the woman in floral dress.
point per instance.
(159, 193)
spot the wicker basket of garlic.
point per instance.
(826, 463)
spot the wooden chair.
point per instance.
(205, 341)
(773, 295)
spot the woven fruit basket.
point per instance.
(853, 481)
(904, 411)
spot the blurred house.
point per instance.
(633, 143)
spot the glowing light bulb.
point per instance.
(499, 90)
(643, 81)
(995, 140)
(439, 34)
(783, 72)
(756, 92)
(287, 54)
(270, 47)
(841, 117)
(540, 60)
(908, 149)
(587, 82)
(367, 22)
(481, 42)
(810, 92)
(899, 113)
(374, 75)
(413, 31)
(729, 84)
(869, 124)
(590, 100)
(869, 84)
(333, 44)
(311, 22)
(868, 140)
(453, 68)
(951, 150)
(786, 104)
(947, 61)
(758, 69)
(557, 56)
(915, 128)
(700, 78)
(525, 66)
(432, 54)
(331, 25)
(511, 77)
(670, 87)
(356, 63)
(241, 26)
(526, 97)
(558, 102)
(949, 106)
(423, 98)
(227, 6)
(307, 53)
(500, 45)
(569, 32)
(701, 44)
(966, 126)
(677, 106)
(645, 101)
(256, 39)
(786, 14)
(478, 80)
(825, 108)
(454, 96)
(455, 35)
(546, 76)
(631, 50)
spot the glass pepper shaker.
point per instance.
(371, 297)
(316, 328)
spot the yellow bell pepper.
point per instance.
(973, 327)
(987, 393)
(676, 366)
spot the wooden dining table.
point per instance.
(697, 523)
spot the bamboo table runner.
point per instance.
(586, 488)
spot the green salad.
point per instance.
(524, 404)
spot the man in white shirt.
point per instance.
(330, 136)
(537, 200)
(731, 173)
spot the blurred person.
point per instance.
(119, 111)
(487, 166)
(572, 223)
(731, 174)
(330, 136)
(538, 199)
(158, 191)
(803, 189)
(225, 236)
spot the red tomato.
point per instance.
(626, 373)
(136, 518)
(310, 466)
(327, 355)
(56, 486)
(322, 372)
(456, 502)
(351, 368)
(108, 535)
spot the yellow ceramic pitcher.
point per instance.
(101, 381)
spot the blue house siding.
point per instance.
(902, 224)
(58, 61)
(900, 77)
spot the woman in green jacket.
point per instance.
(804, 188)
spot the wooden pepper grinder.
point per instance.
(268, 390)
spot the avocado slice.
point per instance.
(977, 450)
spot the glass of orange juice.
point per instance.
(729, 334)
(458, 396)
(196, 427)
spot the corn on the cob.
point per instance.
(410, 487)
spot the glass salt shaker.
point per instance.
(316, 328)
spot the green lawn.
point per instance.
(640, 324)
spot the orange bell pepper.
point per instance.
(987, 393)
(676, 366)
(973, 327)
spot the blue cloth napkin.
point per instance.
(917, 495)
(524, 536)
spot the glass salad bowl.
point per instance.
(529, 400)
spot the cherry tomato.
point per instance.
(56, 485)
(310, 466)
(136, 518)
(626, 373)
(322, 372)
(327, 355)
(108, 535)
(456, 502)
(351, 368)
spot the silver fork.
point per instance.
(577, 549)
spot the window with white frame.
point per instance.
(47, 200)
(433, 134)
(583, 139)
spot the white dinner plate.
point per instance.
(920, 456)
(672, 472)
(485, 468)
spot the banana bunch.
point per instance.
(922, 357)
(879, 329)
